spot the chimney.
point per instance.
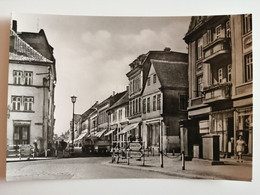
(114, 93)
(167, 49)
(127, 88)
(14, 26)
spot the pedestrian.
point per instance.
(240, 146)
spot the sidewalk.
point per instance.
(16, 159)
(195, 169)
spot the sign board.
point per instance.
(204, 126)
(26, 150)
(135, 149)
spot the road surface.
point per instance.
(73, 168)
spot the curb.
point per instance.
(184, 175)
(28, 160)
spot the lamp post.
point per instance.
(73, 100)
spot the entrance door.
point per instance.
(21, 135)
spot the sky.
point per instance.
(93, 53)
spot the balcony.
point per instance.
(217, 50)
(217, 92)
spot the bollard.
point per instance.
(183, 160)
(46, 153)
(143, 157)
(128, 157)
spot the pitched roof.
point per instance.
(123, 100)
(22, 51)
(171, 74)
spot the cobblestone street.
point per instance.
(73, 168)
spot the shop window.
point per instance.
(21, 135)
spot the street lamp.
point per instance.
(73, 100)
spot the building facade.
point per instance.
(164, 103)
(137, 76)
(31, 85)
(216, 71)
(118, 120)
(242, 78)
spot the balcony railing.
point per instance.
(215, 49)
(217, 92)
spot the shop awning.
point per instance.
(100, 133)
(82, 135)
(128, 128)
(111, 131)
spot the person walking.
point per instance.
(240, 146)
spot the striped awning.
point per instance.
(111, 131)
(82, 135)
(100, 133)
(128, 128)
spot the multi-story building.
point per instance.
(164, 103)
(219, 87)
(32, 78)
(137, 76)
(242, 78)
(118, 119)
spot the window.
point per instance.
(21, 135)
(183, 102)
(134, 110)
(126, 111)
(229, 73)
(248, 67)
(228, 32)
(199, 48)
(148, 104)
(144, 105)
(209, 37)
(148, 81)
(18, 77)
(199, 86)
(218, 31)
(159, 102)
(28, 76)
(154, 78)
(154, 102)
(115, 115)
(247, 19)
(130, 108)
(139, 107)
(220, 75)
(136, 105)
(28, 103)
(16, 102)
(120, 115)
